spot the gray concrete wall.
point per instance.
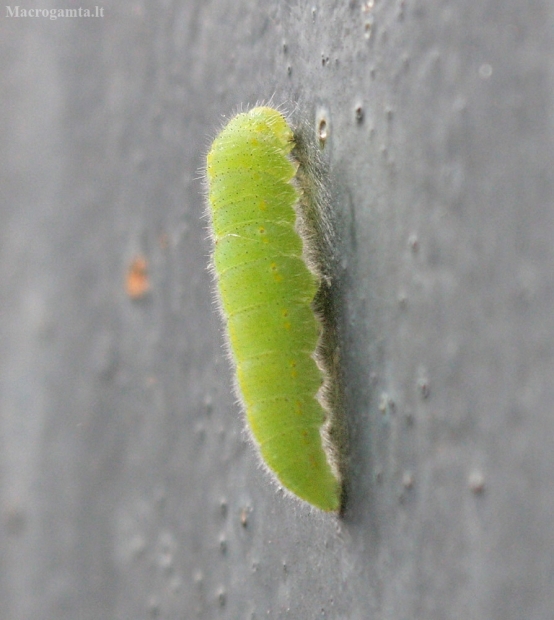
(127, 489)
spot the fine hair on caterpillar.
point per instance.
(272, 239)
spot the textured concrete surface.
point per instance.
(127, 489)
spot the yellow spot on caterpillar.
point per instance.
(276, 275)
(293, 372)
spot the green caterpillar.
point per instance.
(266, 292)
